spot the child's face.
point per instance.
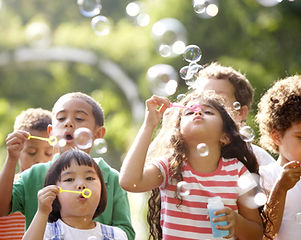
(78, 178)
(69, 115)
(35, 151)
(205, 125)
(290, 144)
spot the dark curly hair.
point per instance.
(237, 148)
(278, 109)
(64, 162)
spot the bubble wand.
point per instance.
(52, 140)
(86, 193)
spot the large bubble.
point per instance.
(163, 79)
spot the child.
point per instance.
(70, 112)
(279, 119)
(70, 215)
(234, 87)
(35, 121)
(213, 175)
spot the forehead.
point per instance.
(75, 167)
(72, 104)
(221, 87)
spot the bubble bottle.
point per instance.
(214, 204)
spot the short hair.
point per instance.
(243, 90)
(278, 109)
(96, 108)
(33, 119)
(63, 162)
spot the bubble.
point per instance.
(236, 106)
(203, 149)
(192, 53)
(89, 8)
(100, 146)
(248, 181)
(100, 25)
(298, 218)
(83, 138)
(38, 34)
(163, 79)
(181, 96)
(135, 185)
(92, 238)
(169, 33)
(133, 8)
(260, 199)
(143, 19)
(182, 189)
(62, 142)
(206, 8)
(247, 133)
(269, 3)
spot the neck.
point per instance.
(79, 222)
(204, 164)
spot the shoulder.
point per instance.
(263, 157)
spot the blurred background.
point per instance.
(122, 52)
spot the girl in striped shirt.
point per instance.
(176, 216)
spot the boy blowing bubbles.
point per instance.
(70, 112)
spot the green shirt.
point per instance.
(117, 212)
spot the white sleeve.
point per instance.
(263, 157)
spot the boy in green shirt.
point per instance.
(70, 112)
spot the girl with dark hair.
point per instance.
(172, 214)
(70, 215)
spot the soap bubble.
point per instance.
(135, 10)
(203, 149)
(205, 8)
(247, 133)
(269, 3)
(260, 199)
(100, 146)
(192, 53)
(83, 138)
(170, 36)
(182, 188)
(89, 8)
(100, 25)
(181, 96)
(62, 142)
(236, 106)
(163, 79)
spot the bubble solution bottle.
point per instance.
(214, 204)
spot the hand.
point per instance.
(230, 217)
(153, 115)
(46, 197)
(15, 143)
(290, 175)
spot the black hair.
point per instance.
(64, 162)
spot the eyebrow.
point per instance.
(72, 172)
(77, 111)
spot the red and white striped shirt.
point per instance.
(190, 221)
(12, 226)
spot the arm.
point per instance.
(37, 227)
(275, 205)
(15, 144)
(134, 176)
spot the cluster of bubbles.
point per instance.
(205, 8)
(91, 9)
(83, 139)
(189, 73)
(136, 11)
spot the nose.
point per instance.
(196, 112)
(81, 185)
(68, 123)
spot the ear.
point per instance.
(243, 113)
(99, 132)
(225, 140)
(49, 129)
(276, 136)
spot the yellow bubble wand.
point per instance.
(52, 140)
(86, 192)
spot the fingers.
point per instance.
(226, 217)
(156, 101)
(46, 197)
